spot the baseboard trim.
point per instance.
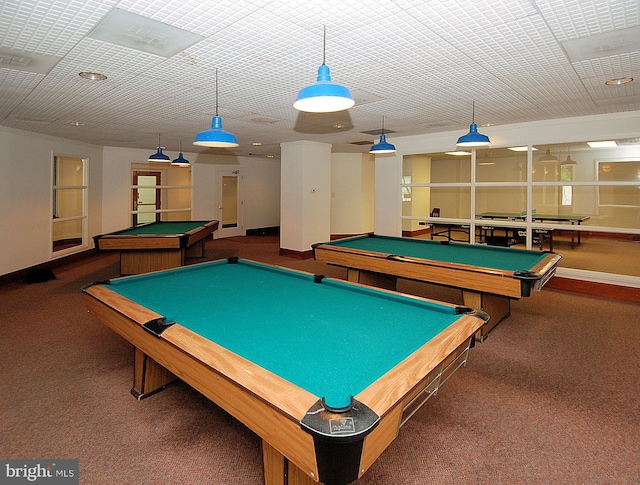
(606, 290)
(290, 253)
(20, 275)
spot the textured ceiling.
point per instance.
(417, 63)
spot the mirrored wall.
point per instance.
(581, 200)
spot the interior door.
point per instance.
(146, 198)
(229, 192)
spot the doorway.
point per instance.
(229, 189)
(147, 198)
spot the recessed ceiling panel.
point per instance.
(128, 29)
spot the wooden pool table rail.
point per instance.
(269, 405)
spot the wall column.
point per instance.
(305, 196)
(388, 196)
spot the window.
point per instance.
(566, 175)
(68, 229)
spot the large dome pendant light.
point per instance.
(473, 138)
(215, 136)
(324, 96)
(159, 156)
(382, 146)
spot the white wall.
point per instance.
(26, 194)
(261, 187)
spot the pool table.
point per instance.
(157, 245)
(324, 371)
(535, 217)
(489, 277)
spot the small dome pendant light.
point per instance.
(569, 160)
(382, 146)
(324, 96)
(216, 136)
(159, 156)
(181, 161)
(473, 138)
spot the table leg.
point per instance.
(497, 307)
(379, 280)
(149, 377)
(280, 471)
(196, 250)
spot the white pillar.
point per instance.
(388, 200)
(305, 200)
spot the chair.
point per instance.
(435, 212)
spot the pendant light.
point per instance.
(159, 156)
(548, 157)
(473, 138)
(324, 96)
(382, 146)
(216, 136)
(569, 160)
(180, 161)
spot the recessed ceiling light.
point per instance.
(134, 31)
(618, 81)
(76, 123)
(602, 144)
(92, 76)
(522, 149)
(458, 153)
(339, 126)
(257, 144)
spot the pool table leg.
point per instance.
(196, 250)
(369, 278)
(149, 377)
(497, 307)
(280, 471)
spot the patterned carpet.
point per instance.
(551, 396)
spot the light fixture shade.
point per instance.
(181, 161)
(324, 96)
(382, 146)
(548, 157)
(569, 160)
(159, 156)
(216, 136)
(473, 138)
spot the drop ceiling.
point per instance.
(420, 64)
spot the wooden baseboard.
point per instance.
(290, 253)
(20, 275)
(616, 292)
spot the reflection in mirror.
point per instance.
(68, 204)
(583, 198)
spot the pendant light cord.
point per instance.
(216, 91)
(324, 44)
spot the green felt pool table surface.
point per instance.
(332, 339)
(473, 255)
(164, 228)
